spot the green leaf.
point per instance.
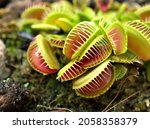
(121, 71)
(45, 27)
(127, 57)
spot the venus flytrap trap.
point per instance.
(41, 57)
(96, 46)
(116, 34)
(144, 13)
(79, 38)
(104, 5)
(139, 34)
(96, 81)
(35, 11)
(33, 14)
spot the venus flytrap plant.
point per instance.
(92, 48)
(97, 48)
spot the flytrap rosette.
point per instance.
(41, 56)
(97, 44)
(139, 39)
(95, 82)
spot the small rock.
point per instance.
(147, 102)
(3, 69)
(2, 53)
(2, 48)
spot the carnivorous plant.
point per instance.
(97, 44)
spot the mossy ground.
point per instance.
(36, 92)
